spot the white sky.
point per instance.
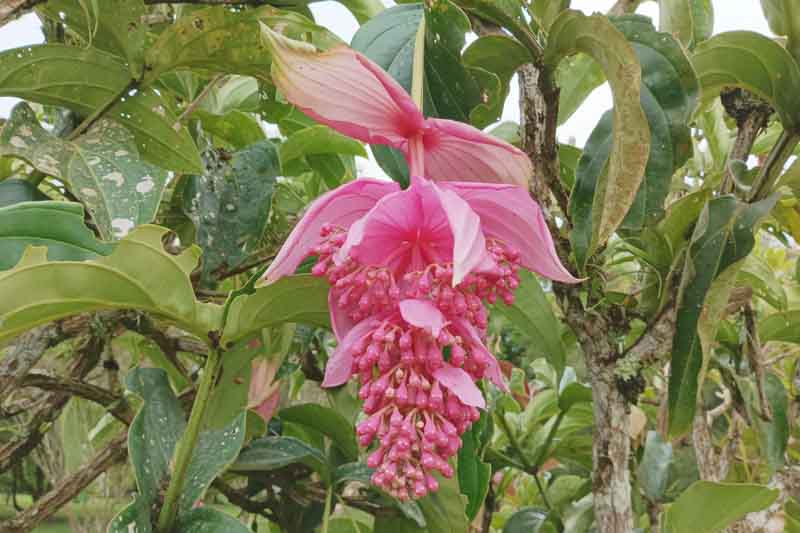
(729, 15)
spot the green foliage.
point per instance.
(707, 507)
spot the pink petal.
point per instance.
(455, 151)
(422, 314)
(341, 323)
(509, 214)
(460, 384)
(345, 90)
(341, 207)
(411, 229)
(268, 407)
(469, 244)
(493, 371)
(338, 369)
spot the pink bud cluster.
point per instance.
(416, 420)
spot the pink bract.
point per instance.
(410, 270)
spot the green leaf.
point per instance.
(235, 93)
(102, 168)
(353, 472)
(783, 17)
(139, 274)
(155, 432)
(526, 520)
(327, 421)
(114, 26)
(444, 510)
(217, 39)
(567, 489)
(236, 128)
(208, 520)
(723, 236)
(576, 76)
(669, 94)
(230, 204)
(754, 62)
(757, 274)
(231, 393)
(319, 140)
(572, 394)
(689, 21)
(473, 474)
(301, 298)
(57, 225)
(605, 205)
(780, 327)
(653, 472)
(532, 314)
(271, 453)
(14, 191)
(773, 435)
(501, 56)
(706, 507)
(50, 73)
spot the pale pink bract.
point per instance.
(410, 269)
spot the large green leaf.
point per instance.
(102, 168)
(113, 26)
(604, 206)
(576, 76)
(473, 474)
(271, 453)
(230, 204)
(670, 91)
(781, 327)
(302, 298)
(139, 274)
(57, 225)
(757, 274)
(724, 235)
(152, 439)
(217, 39)
(689, 21)
(706, 507)
(327, 421)
(783, 17)
(57, 75)
(319, 139)
(773, 434)
(14, 191)
(236, 128)
(532, 314)
(526, 520)
(444, 510)
(753, 62)
(653, 472)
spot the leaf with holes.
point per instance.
(115, 26)
(217, 39)
(56, 74)
(102, 168)
(605, 205)
(230, 204)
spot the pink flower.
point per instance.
(410, 269)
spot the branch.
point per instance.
(622, 7)
(115, 404)
(69, 487)
(653, 346)
(12, 9)
(196, 102)
(751, 115)
(27, 351)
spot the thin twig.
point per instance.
(196, 102)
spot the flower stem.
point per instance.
(327, 513)
(418, 68)
(183, 453)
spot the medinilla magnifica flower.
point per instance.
(410, 270)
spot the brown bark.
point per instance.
(24, 355)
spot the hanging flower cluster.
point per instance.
(410, 270)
